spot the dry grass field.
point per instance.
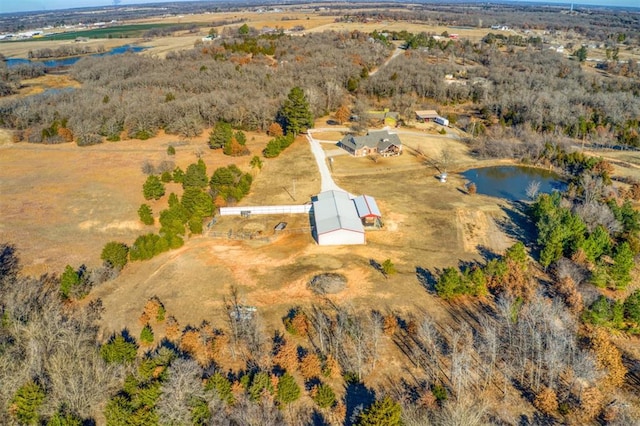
(428, 225)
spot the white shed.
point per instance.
(336, 220)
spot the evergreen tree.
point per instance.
(146, 335)
(197, 203)
(261, 382)
(115, 254)
(632, 308)
(222, 386)
(288, 389)
(220, 135)
(324, 396)
(69, 279)
(623, 261)
(146, 214)
(384, 412)
(153, 188)
(295, 115)
(119, 350)
(27, 402)
(62, 418)
(196, 176)
(449, 283)
(178, 175)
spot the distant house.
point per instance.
(368, 211)
(427, 115)
(379, 142)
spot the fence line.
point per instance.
(249, 210)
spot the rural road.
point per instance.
(326, 180)
(395, 54)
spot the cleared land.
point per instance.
(428, 225)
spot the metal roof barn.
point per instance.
(336, 220)
(366, 206)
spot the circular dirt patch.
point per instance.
(329, 283)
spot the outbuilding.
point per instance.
(336, 220)
(368, 211)
(426, 115)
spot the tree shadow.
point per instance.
(427, 279)
(317, 419)
(518, 225)
(487, 254)
(357, 397)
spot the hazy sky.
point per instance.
(27, 5)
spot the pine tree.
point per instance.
(146, 335)
(146, 214)
(153, 188)
(118, 350)
(68, 281)
(295, 114)
(288, 389)
(115, 254)
(26, 403)
(384, 412)
(324, 396)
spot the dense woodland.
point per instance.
(534, 343)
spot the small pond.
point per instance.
(65, 62)
(511, 182)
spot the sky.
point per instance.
(7, 6)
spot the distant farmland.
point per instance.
(120, 31)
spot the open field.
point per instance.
(428, 225)
(73, 200)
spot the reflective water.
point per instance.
(65, 62)
(511, 182)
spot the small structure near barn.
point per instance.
(336, 220)
(379, 142)
(368, 211)
(427, 115)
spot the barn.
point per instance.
(368, 211)
(336, 220)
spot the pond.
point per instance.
(65, 62)
(511, 182)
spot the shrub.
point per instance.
(171, 150)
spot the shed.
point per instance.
(336, 220)
(368, 210)
(426, 115)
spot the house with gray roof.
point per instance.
(379, 142)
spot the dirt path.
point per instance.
(395, 54)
